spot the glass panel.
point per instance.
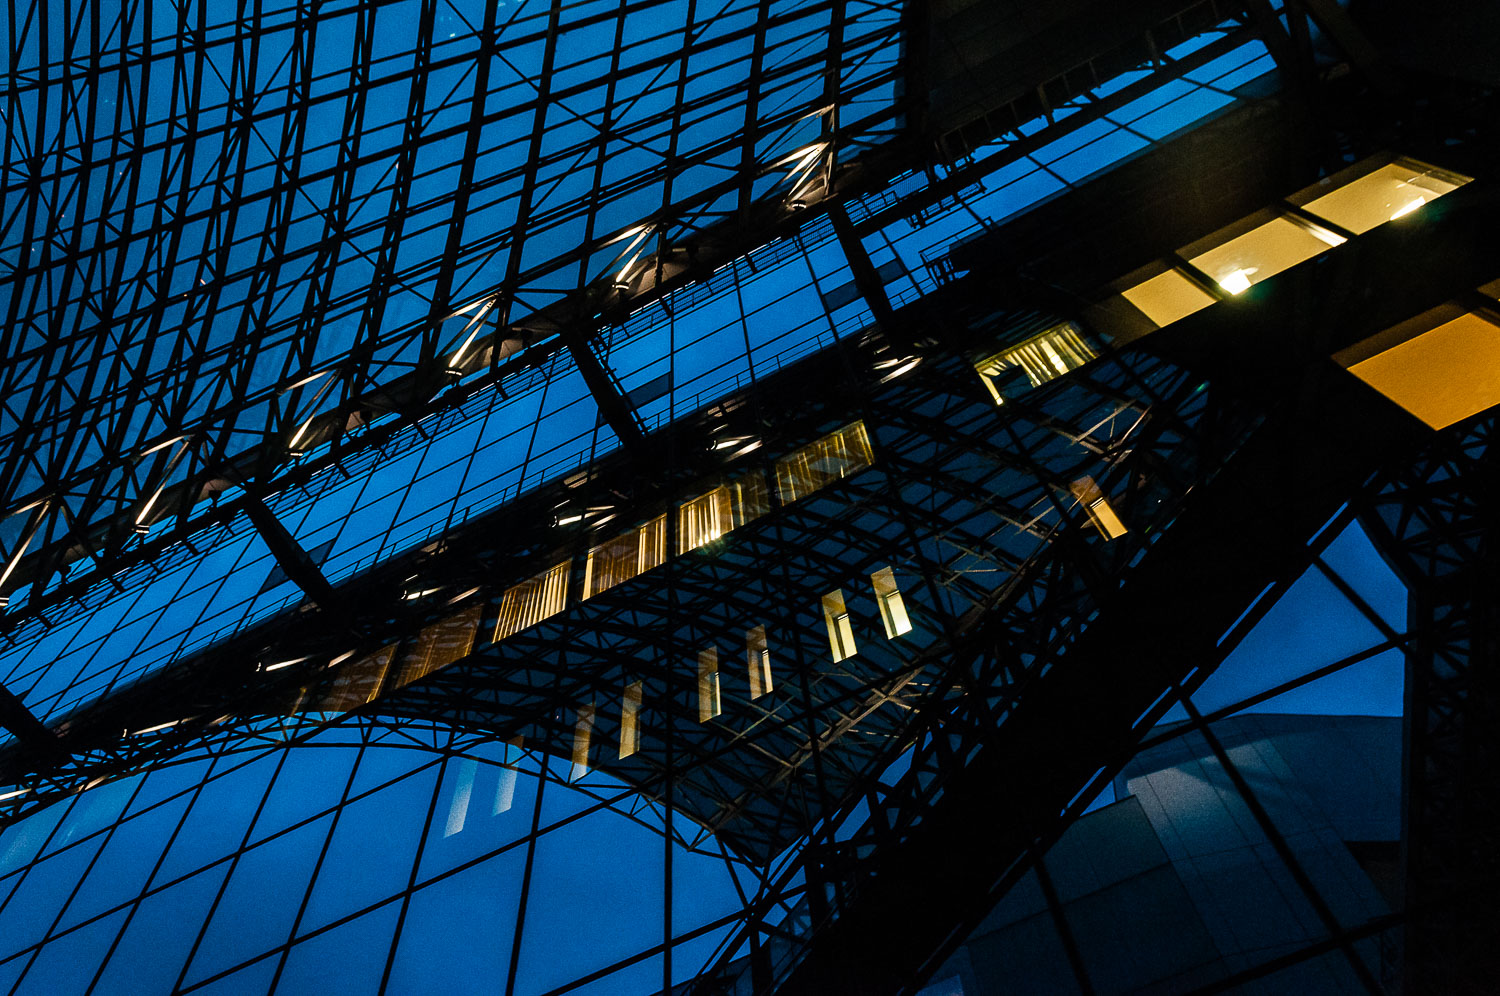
(758, 657)
(703, 520)
(630, 731)
(837, 455)
(709, 704)
(749, 499)
(533, 600)
(625, 556)
(840, 630)
(1100, 512)
(583, 733)
(892, 608)
(1262, 252)
(1042, 358)
(1167, 297)
(439, 645)
(1441, 376)
(1391, 192)
(358, 683)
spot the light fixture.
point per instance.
(156, 729)
(485, 306)
(12, 794)
(637, 236)
(304, 381)
(162, 445)
(905, 368)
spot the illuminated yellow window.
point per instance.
(748, 498)
(837, 455)
(758, 658)
(626, 555)
(439, 645)
(630, 711)
(1167, 297)
(708, 685)
(840, 630)
(1392, 191)
(1274, 244)
(533, 600)
(583, 732)
(703, 520)
(1100, 512)
(1441, 368)
(359, 682)
(1042, 358)
(892, 608)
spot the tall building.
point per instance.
(751, 497)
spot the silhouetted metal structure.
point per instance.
(295, 303)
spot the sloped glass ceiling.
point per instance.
(217, 220)
(358, 857)
(748, 319)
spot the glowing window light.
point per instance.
(1043, 357)
(758, 659)
(837, 455)
(840, 629)
(709, 703)
(892, 608)
(1266, 244)
(1388, 192)
(1238, 281)
(358, 683)
(630, 711)
(583, 733)
(625, 556)
(703, 520)
(537, 598)
(1167, 297)
(1096, 505)
(438, 645)
(1439, 367)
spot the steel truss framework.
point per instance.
(252, 223)
(95, 519)
(968, 507)
(1435, 524)
(1007, 580)
(969, 503)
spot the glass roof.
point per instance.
(335, 234)
(748, 319)
(231, 223)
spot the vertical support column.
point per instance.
(1436, 525)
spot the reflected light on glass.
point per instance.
(1237, 281)
(1408, 208)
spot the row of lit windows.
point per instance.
(1427, 366)
(452, 638)
(1327, 214)
(699, 521)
